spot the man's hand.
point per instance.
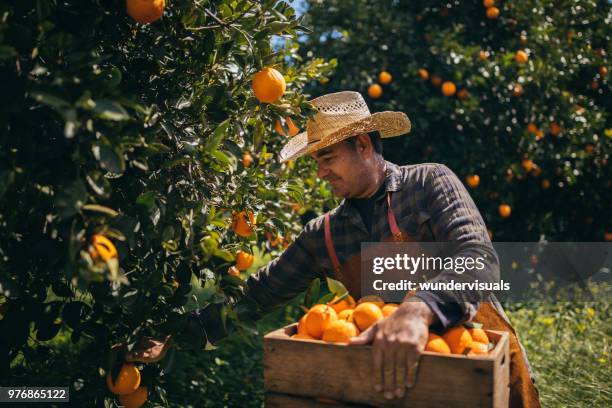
(149, 350)
(398, 342)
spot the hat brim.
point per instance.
(388, 123)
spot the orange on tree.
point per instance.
(463, 94)
(244, 260)
(448, 88)
(517, 90)
(233, 271)
(603, 71)
(607, 236)
(347, 315)
(268, 85)
(458, 339)
(473, 180)
(389, 309)
(521, 57)
(479, 334)
(247, 159)
(424, 74)
(532, 127)
(135, 399)
(545, 184)
(488, 3)
(145, 11)
(339, 331)
(346, 303)
(492, 13)
(273, 240)
(555, 129)
(527, 164)
(102, 248)
(539, 135)
(437, 344)
(126, 382)
(483, 55)
(504, 210)
(589, 148)
(366, 314)
(478, 348)
(293, 130)
(385, 78)
(436, 80)
(375, 91)
(243, 223)
(318, 318)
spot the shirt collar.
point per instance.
(392, 184)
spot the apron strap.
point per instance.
(397, 234)
(331, 251)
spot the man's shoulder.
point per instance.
(419, 173)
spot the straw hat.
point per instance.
(339, 116)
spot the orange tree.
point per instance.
(121, 164)
(511, 96)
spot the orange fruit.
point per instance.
(244, 260)
(339, 331)
(545, 184)
(483, 55)
(126, 382)
(504, 210)
(366, 314)
(536, 170)
(293, 130)
(301, 327)
(385, 78)
(346, 303)
(436, 80)
(268, 85)
(555, 129)
(437, 344)
(145, 11)
(247, 159)
(527, 164)
(135, 399)
(372, 299)
(607, 236)
(458, 338)
(517, 90)
(589, 148)
(388, 309)
(594, 85)
(532, 128)
(233, 271)
(488, 3)
(102, 248)
(346, 315)
(603, 71)
(375, 91)
(539, 135)
(318, 318)
(448, 88)
(463, 94)
(274, 241)
(521, 57)
(473, 180)
(423, 74)
(479, 334)
(243, 223)
(478, 348)
(492, 13)
(303, 336)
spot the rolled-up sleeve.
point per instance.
(456, 221)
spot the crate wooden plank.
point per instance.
(274, 400)
(310, 368)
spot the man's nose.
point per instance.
(321, 171)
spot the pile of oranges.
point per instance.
(341, 319)
(469, 339)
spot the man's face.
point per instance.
(343, 167)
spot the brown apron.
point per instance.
(522, 389)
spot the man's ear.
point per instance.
(364, 144)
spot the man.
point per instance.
(425, 202)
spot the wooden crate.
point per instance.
(309, 373)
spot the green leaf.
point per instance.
(50, 100)
(217, 136)
(146, 199)
(101, 209)
(312, 293)
(109, 159)
(336, 287)
(110, 110)
(472, 325)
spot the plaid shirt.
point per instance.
(429, 202)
